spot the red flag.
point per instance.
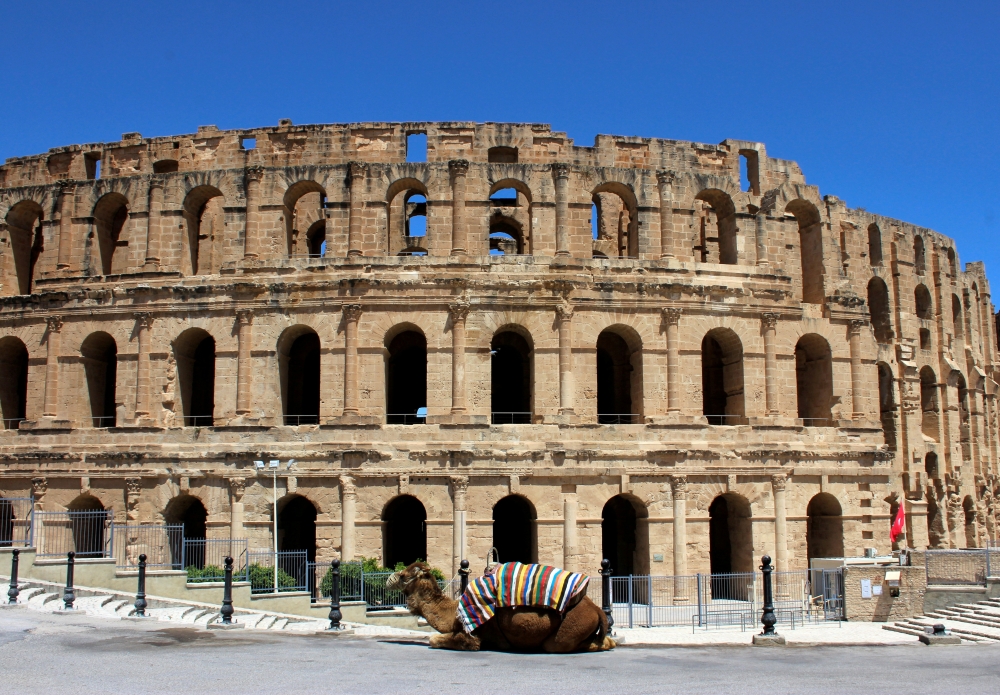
(899, 523)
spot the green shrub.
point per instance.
(263, 578)
(208, 573)
(351, 573)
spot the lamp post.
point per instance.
(273, 465)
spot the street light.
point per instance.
(273, 465)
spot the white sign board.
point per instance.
(877, 590)
(866, 588)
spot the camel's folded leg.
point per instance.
(461, 641)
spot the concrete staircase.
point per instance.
(973, 622)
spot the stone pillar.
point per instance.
(769, 323)
(356, 178)
(348, 514)
(678, 486)
(459, 312)
(352, 312)
(251, 237)
(143, 325)
(567, 387)
(244, 365)
(665, 179)
(65, 253)
(561, 173)
(570, 551)
(154, 224)
(237, 486)
(459, 168)
(133, 490)
(39, 486)
(778, 484)
(459, 486)
(51, 408)
(856, 376)
(672, 317)
(760, 229)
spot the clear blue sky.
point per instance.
(892, 106)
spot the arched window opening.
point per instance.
(511, 369)
(302, 380)
(625, 537)
(929, 403)
(13, 381)
(814, 380)
(514, 530)
(969, 512)
(24, 224)
(936, 535)
(925, 339)
(878, 305)
(887, 404)
(165, 166)
(89, 523)
(205, 220)
(505, 238)
(956, 316)
(931, 466)
(316, 239)
(619, 380)
(100, 364)
(824, 527)
(405, 536)
(194, 351)
(189, 512)
(407, 220)
(406, 377)
(416, 215)
(617, 222)
(296, 537)
(303, 211)
(722, 377)
(919, 261)
(717, 222)
(964, 418)
(922, 297)
(730, 535)
(952, 263)
(811, 249)
(874, 245)
(750, 171)
(502, 155)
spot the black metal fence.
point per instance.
(87, 533)
(16, 521)
(156, 542)
(358, 585)
(291, 575)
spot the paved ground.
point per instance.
(45, 653)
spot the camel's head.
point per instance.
(409, 579)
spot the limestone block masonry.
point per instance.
(566, 352)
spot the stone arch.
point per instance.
(300, 375)
(88, 526)
(722, 377)
(405, 375)
(619, 376)
(814, 380)
(874, 245)
(194, 353)
(929, 403)
(401, 211)
(956, 316)
(923, 302)
(617, 216)
(205, 221)
(625, 535)
(518, 185)
(720, 218)
(404, 531)
(811, 249)
(512, 352)
(730, 543)
(27, 242)
(507, 235)
(13, 381)
(99, 353)
(189, 512)
(303, 204)
(515, 532)
(297, 528)
(111, 214)
(919, 255)
(824, 527)
(887, 404)
(878, 305)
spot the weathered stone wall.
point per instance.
(181, 238)
(885, 607)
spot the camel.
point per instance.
(583, 628)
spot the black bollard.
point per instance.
(463, 575)
(606, 592)
(69, 596)
(335, 614)
(227, 595)
(140, 594)
(13, 591)
(767, 617)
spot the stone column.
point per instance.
(348, 514)
(356, 178)
(459, 486)
(143, 325)
(570, 551)
(51, 408)
(561, 173)
(459, 312)
(251, 237)
(665, 179)
(352, 312)
(769, 323)
(567, 387)
(244, 365)
(133, 490)
(678, 486)
(39, 486)
(154, 224)
(854, 333)
(760, 229)
(778, 483)
(65, 253)
(237, 486)
(459, 168)
(672, 317)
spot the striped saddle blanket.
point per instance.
(515, 584)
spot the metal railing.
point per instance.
(205, 559)
(405, 419)
(16, 516)
(511, 418)
(87, 533)
(292, 571)
(12, 423)
(969, 567)
(618, 418)
(103, 421)
(358, 585)
(156, 542)
(199, 420)
(296, 420)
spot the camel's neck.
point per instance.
(439, 612)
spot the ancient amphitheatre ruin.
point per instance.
(631, 350)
